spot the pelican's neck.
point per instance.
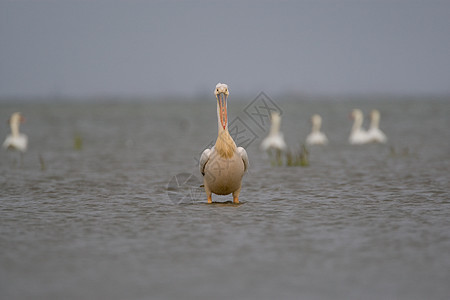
(375, 121)
(14, 128)
(274, 127)
(316, 126)
(357, 123)
(225, 144)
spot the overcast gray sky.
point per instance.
(144, 48)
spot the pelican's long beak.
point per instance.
(222, 102)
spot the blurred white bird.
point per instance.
(275, 139)
(375, 134)
(16, 140)
(316, 137)
(358, 135)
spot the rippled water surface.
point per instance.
(106, 205)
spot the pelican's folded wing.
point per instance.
(203, 160)
(7, 142)
(243, 154)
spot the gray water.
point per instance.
(91, 211)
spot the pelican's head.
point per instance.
(316, 119)
(375, 115)
(222, 93)
(357, 114)
(16, 118)
(221, 88)
(275, 117)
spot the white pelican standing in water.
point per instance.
(358, 135)
(375, 134)
(16, 140)
(316, 137)
(224, 165)
(275, 139)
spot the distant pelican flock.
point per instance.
(16, 140)
(224, 165)
(359, 135)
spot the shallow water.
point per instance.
(106, 204)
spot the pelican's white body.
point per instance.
(223, 176)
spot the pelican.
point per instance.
(16, 140)
(375, 134)
(224, 165)
(316, 137)
(358, 135)
(275, 139)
